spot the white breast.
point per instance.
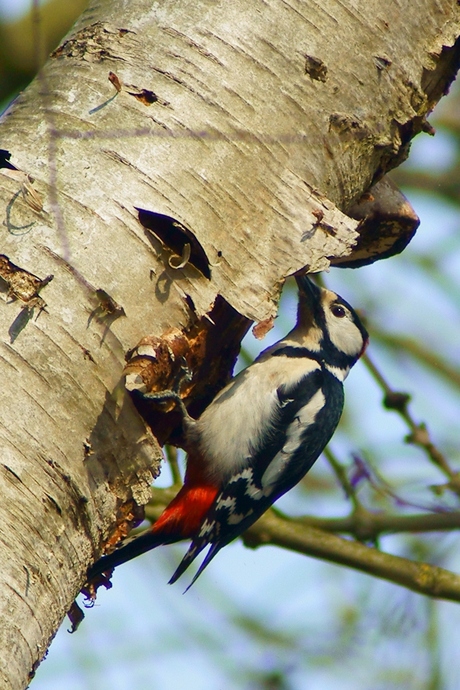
(239, 418)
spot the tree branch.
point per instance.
(422, 578)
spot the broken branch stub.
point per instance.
(387, 225)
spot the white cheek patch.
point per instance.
(304, 418)
(344, 334)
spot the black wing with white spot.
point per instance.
(304, 420)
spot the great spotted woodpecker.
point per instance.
(260, 435)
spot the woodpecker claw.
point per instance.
(184, 375)
(173, 394)
(168, 395)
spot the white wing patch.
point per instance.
(251, 489)
(305, 417)
(228, 502)
(236, 518)
(207, 528)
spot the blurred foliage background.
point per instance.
(274, 620)
(27, 37)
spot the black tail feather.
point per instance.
(127, 550)
(190, 556)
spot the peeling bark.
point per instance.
(255, 126)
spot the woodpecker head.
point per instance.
(329, 327)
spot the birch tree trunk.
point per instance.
(256, 126)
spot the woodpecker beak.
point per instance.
(309, 301)
(309, 293)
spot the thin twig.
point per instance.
(360, 517)
(340, 472)
(419, 436)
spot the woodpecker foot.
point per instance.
(183, 375)
(168, 395)
(173, 393)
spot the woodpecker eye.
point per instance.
(338, 311)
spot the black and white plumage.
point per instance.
(261, 434)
